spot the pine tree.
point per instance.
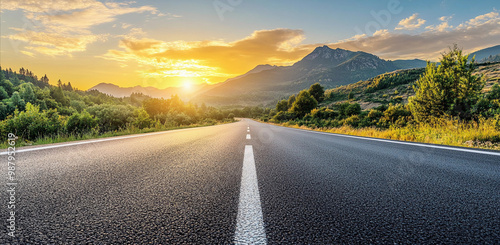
(449, 89)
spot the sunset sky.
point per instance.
(170, 43)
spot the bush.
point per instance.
(82, 123)
(353, 109)
(352, 121)
(398, 115)
(324, 113)
(141, 119)
(284, 116)
(32, 124)
(112, 117)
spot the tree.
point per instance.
(27, 93)
(448, 89)
(17, 102)
(291, 99)
(304, 103)
(58, 95)
(317, 91)
(3, 94)
(6, 84)
(282, 105)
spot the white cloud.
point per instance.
(382, 32)
(64, 27)
(482, 31)
(443, 26)
(481, 19)
(410, 23)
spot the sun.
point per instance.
(187, 85)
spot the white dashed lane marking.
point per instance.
(250, 222)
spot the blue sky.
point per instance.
(169, 43)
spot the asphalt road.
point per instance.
(278, 185)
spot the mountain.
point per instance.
(118, 91)
(409, 64)
(491, 58)
(483, 54)
(329, 67)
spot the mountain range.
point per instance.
(483, 54)
(265, 84)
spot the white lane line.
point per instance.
(250, 222)
(249, 137)
(95, 141)
(248, 130)
(403, 142)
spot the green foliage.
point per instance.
(284, 116)
(57, 94)
(393, 79)
(31, 123)
(17, 102)
(78, 105)
(494, 93)
(82, 123)
(350, 96)
(141, 119)
(112, 117)
(291, 100)
(448, 89)
(282, 105)
(26, 92)
(324, 113)
(398, 115)
(3, 94)
(352, 121)
(317, 91)
(304, 103)
(353, 109)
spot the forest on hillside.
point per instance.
(34, 110)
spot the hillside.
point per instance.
(483, 54)
(396, 87)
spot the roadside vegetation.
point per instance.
(441, 104)
(39, 113)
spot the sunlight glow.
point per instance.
(187, 85)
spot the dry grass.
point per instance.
(444, 132)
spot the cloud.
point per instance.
(216, 59)
(410, 23)
(479, 20)
(480, 32)
(54, 43)
(382, 32)
(64, 27)
(443, 26)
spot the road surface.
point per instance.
(248, 182)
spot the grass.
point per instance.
(481, 135)
(127, 131)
